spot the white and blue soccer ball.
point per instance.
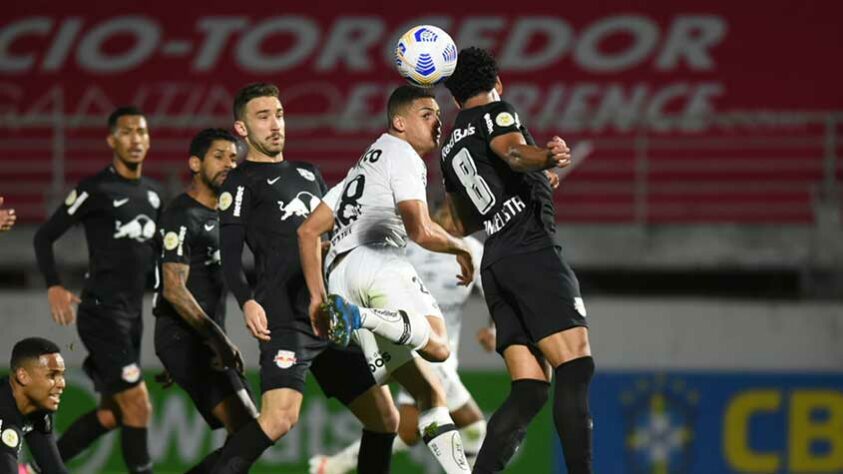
(425, 55)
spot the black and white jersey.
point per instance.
(15, 427)
(190, 235)
(268, 202)
(120, 218)
(516, 209)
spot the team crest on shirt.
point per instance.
(285, 359)
(504, 119)
(154, 200)
(131, 373)
(306, 174)
(10, 438)
(71, 198)
(225, 200)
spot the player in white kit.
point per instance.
(437, 270)
(376, 294)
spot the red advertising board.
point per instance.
(590, 70)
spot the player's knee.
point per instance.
(107, 419)
(277, 423)
(437, 351)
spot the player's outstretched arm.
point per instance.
(521, 157)
(431, 236)
(176, 292)
(320, 221)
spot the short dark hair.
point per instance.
(252, 91)
(121, 111)
(31, 348)
(402, 97)
(476, 72)
(203, 140)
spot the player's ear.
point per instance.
(194, 163)
(498, 85)
(240, 128)
(398, 123)
(110, 140)
(22, 376)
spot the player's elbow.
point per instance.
(306, 232)
(419, 234)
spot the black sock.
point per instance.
(375, 456)
(135, 451)
(81, 434)
(204, 467)
(508, 426)
(570, 413)
(242, 449)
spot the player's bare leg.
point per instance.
(528, 393)
(569, 352)
(425, 334)
(135, 413)
(88, 428)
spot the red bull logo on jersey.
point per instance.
(302, 205)
(141, 228)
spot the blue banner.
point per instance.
(710, 423)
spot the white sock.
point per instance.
(443, 440)
(472, 439)
(400, 327)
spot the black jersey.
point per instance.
(263, 204)
(516, 209)
(15, 427)
(119, 216)
(190, 235)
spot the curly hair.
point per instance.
(476, 72)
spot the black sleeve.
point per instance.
(45, 452)
(177, 235)
(323, 187)
(231, 253)
(76, 205)
(501, 119)
(8, 462)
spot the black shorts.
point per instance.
(113, 339)
(341, 373)
(531, 296)
(196, 369)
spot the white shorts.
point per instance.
(381, 277)
(455, 391)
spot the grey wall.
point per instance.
(626, 333)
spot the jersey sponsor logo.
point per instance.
(302, 205)
(488, 119)
(120, 202)
(141, 228)
(131, 373)
(505, 119)
(225, 201)
(238, 201)
(10, 438)
(285, 359)
(209, 226)
(182, 234)
(509, 209)
(457, 135)
(171, 241)
(579, 305)
(273, 180)
(71, 198)
(306, 174)
(154, 200)
(74, 206)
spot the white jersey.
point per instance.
(365, 203)
(438, 271)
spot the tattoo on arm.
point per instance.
(176, 292)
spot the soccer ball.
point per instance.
(425, 55)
